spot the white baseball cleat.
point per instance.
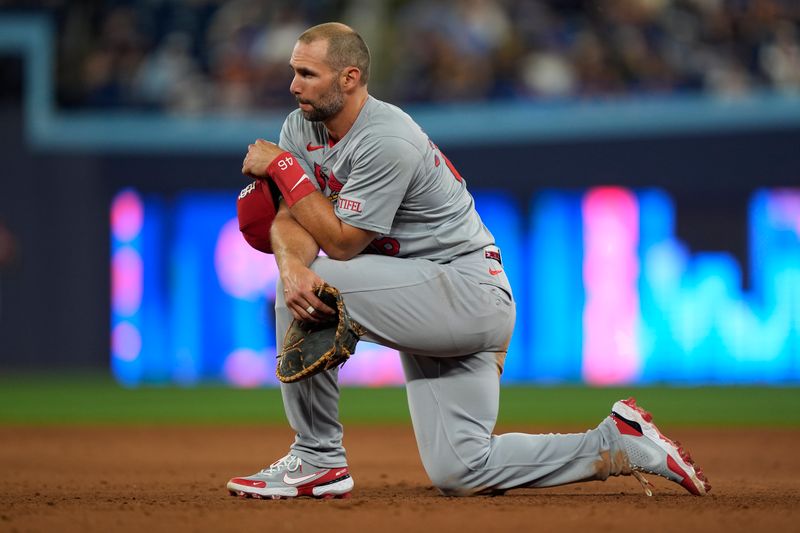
(648, 450)
(289, 477)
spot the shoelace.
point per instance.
(290, 462)
(646, 485)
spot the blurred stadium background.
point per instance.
(637, 160)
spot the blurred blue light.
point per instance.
(501, 214)
(554, 283)
(696, 324)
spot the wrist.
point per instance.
(286, 172)
(290, 263)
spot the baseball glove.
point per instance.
(310, 348)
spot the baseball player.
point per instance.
(420, 272)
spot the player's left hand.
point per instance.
(300, 293)
(258, 158)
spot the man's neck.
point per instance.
(339, 125)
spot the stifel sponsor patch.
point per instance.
(354, 205)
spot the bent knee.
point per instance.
(455, 480)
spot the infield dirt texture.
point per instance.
(96, 476)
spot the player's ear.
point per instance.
(351, 77)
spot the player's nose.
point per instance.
(294, 87)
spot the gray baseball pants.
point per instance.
(452, 330)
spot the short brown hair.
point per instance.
(346, 48)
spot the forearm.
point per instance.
(295, 249)
(291, 243)
(311, 209)
(340, 241)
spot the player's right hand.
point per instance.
(299, 286)
(259, 156)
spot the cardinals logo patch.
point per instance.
(327, 180)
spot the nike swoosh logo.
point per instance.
(494, 272)
(298, 182)
(311, 147)
(250, 483)
(297, 480)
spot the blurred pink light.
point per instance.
(248, 368)
(610, 274)
(242, 271)
(126, 342)
(372, 365)
(126, 281)
(127, 215)
(784, 209)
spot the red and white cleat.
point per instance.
(650, 451)
(289, 477)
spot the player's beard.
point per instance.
(327, 106)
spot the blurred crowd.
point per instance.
(196, 56)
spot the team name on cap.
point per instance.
(247, 190)
(354, 205)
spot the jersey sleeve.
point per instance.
(379, 177)
(291, 140)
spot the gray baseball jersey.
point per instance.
(386, 176)
(434, 293)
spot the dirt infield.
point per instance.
(172, 479)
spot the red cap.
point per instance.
(255, 209)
